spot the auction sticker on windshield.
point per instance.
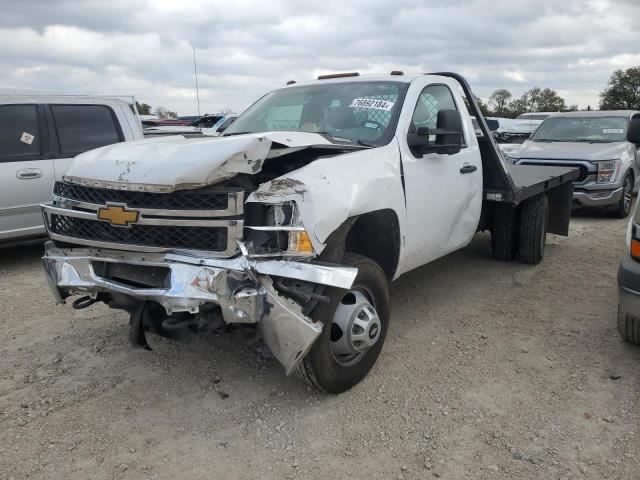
(372, 103)
(612, 130)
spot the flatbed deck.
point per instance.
(531, 180)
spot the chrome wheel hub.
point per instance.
(628, 194)
(355, 328)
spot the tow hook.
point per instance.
(84, 302)
(136, 328)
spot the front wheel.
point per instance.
(623, 207)
(629, 327)
(355, 327)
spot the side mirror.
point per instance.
(492, 124)
(633, 134)
(448, 135)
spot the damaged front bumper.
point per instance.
(242, 287)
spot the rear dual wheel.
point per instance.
(520, 231)
(533, 229)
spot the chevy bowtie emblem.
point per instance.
(118, 215)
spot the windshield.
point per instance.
(358, 112)
(582, 129)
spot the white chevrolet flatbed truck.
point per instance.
(296, 220)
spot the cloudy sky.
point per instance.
(245, 48)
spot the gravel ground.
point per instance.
(490, 371)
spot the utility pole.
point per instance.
(195, 71)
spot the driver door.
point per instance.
(443, 191)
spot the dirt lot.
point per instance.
(490, 370)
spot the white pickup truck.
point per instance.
(296, 219)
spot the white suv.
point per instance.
(39, 135)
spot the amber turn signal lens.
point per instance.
(299, 242)
(635, 248)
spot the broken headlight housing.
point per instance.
(273, 230)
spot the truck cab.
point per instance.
(296, 220)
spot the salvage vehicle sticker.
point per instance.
(27, 138)
(372, 103)
(612, 130)
(371, 125)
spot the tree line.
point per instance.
(622, 93)
(160, 112)
(503, 104)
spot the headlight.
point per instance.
(607, 171)
(275, 230)
(299, 242)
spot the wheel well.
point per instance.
(376, 235)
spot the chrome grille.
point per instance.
(201, 199)
(193, 238)
(207, 220)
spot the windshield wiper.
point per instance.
(334, 137)
(544, 140)
(235, 133)
(342, 139)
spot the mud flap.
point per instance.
(288, 333)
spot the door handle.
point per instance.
(468, 169)
(29, 173)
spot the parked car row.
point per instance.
(511, 130)
(209, 125)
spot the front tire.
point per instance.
(355, 327)
(629, 327)
(623, 207)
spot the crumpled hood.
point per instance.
(572, 150)
(177, 162)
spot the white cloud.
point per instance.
(515, 75)
(246, 48)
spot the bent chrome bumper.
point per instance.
(243, 288)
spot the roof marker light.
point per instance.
(338, 75)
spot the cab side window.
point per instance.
(19, 131)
